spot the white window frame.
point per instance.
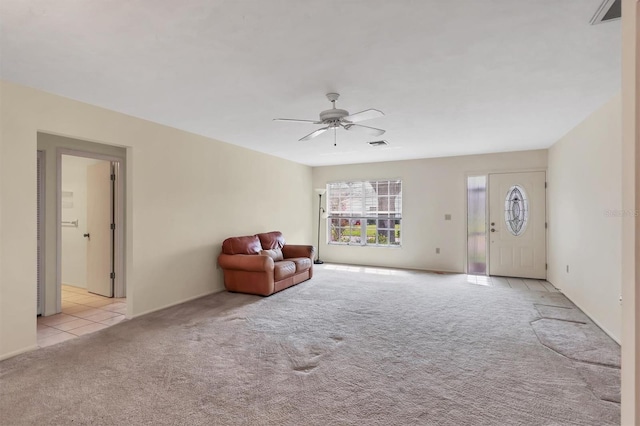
(363, 217)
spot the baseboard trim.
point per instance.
(595, 321)
(188, 299)
(18, 352)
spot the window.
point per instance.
(365, 212)
(477, 225)
(516, 210)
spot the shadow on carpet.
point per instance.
(567, 331)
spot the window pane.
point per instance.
(383, 188)
(476, 225)
(383, 237)
(371, 229)
(395, 238)
(354, 227)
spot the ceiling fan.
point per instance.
(334, 118)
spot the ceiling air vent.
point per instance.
(378, 143)
(609, 10)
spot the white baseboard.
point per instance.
(18, 352)
(595, 321)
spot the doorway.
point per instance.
(506, 224)
(81, 279)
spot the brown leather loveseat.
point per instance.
(263, 264)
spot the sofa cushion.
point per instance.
(271, 240)
(242, 245)
(283, 269)
(275, 254)
(302, 263)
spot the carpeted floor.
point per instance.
(347, 347)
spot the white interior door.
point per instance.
(517, 232)
(99, 220)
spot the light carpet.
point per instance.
(354, 346)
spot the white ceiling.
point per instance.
(453, 77)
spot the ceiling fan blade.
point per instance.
(365, 129)
(314, 134)
(367, 114)
(295, 120)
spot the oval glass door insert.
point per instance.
(516, 210)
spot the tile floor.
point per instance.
(82, 313)
(508, 282)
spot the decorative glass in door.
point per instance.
(516, 210)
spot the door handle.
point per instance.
(86, 236)
(493, 230)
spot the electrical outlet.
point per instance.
(447, 217)
(437, 250)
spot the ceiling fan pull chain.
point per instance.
(334, 137)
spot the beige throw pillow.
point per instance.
(275, 254)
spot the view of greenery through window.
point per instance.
(365, 212)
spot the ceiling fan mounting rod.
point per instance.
(333, 96)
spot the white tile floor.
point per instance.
(509, 282)
(82, 313)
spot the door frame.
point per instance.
(486, 173)
(41, 227)
(119, 289)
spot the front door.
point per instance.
(99, 229)
(517, 231)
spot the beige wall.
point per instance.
(185, 194)
(585, 216)
(630, 408)
(431, 188)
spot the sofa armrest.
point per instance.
(292, 250)
(246, 262)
